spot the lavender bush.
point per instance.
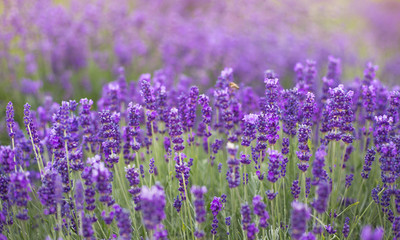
(95, 143)
(149, 164)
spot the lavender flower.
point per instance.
(50, 194)
(346, 227)
(368, 95)
(295, 189)
(349, 179)
(177, 204)
(228, 223)
(396, 228)
(290, 111)
(321, 202)
(10, 120)
(260, 210)
(285, 146)
(102, 177)
(215, 207)
(318, 165)
(18, 193)
(153, 204)
(134, 180)
(246, 216)
(368, 233)
(146, 91)
(199, 192)
(7, 156)
(252, 231)
(87, 229)
(191, 106)
(275, 158)
(30, 127)
(300, 216)
(303, 154)
(249, 133)
(175, 130)
(123, 222)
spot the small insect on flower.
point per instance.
(233, 86)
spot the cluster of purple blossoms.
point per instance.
(320, 204)
(369, 98)
(86, 229)
(349, 180)
(389, 164)
(295, 189)
(111, 136)
(290, 111)
(303, 154)
(133, 178)
(153, 204)
(191, 106)
(318, 170)
(206, 111)
(30, 126)
(369, 73)
(271, 107)
(134, 114)
(147, 92)
(246, 216)
(340, 117)
(346, 227)
(275, 159)
(10, 120)
(300, 216)
(123, 222)
(215, 207)
(7, 159)
(102, 177)
(262, 137)
(199, 192)
(382, 130)
(182, 171)
(85, 121)
(368, 233)
(233, 173)
(260, 210)
(18, 193)
(369, 159)
(224, 113)
(249, 132)
(175, 130)
(394, 108)
(396, 228)
(51, 191)
(308, 109)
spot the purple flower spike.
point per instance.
(153, 204)
(249, 133)
(10, 119)
(295, 189)
(199, 192)
(300, 216)
(275, 158)
(215, 207)
(146, 91)
(323, 192)
(368, 233)
(175, 130)
(290, 111)
(122, 217)
(18, 193)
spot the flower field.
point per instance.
(105, 137)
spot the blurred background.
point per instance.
(69, 49)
